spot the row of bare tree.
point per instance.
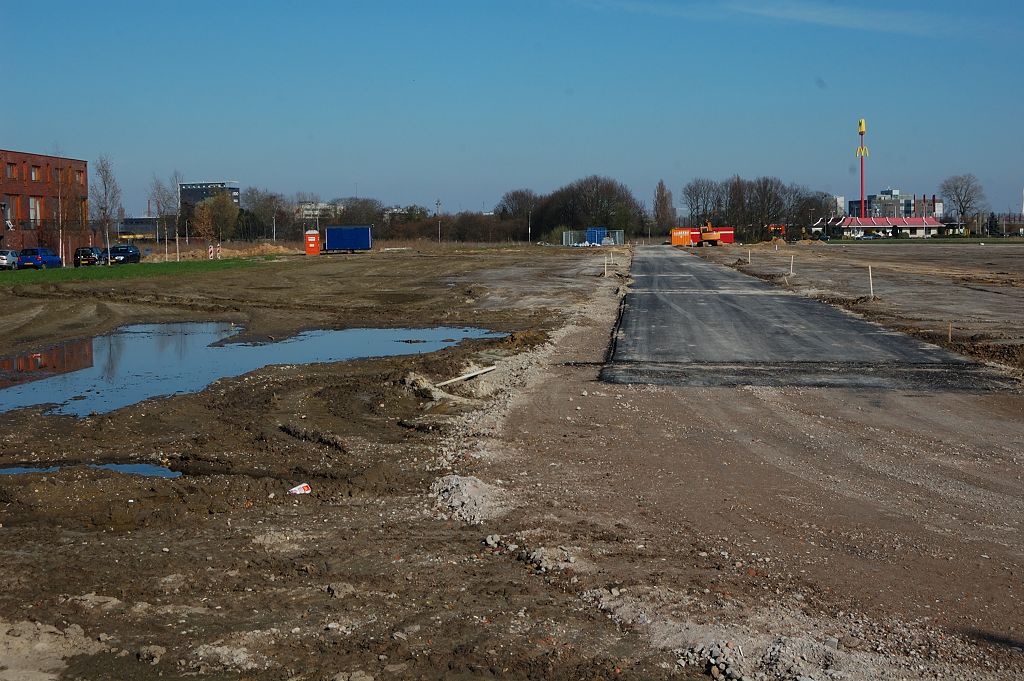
(752, 205)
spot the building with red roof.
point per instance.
(914, 228)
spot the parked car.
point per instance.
(122, 253)
(872, 237)
(87, 255)
(38, 258)
(8, 260)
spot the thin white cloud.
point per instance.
(826, 13)
(836, 15)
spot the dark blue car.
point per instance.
(38, 258)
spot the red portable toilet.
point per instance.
(313, 242)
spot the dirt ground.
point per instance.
(531, 523)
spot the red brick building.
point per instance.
(44, 202)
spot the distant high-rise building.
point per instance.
(192, 193)
(890, 203)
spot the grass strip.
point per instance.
(130, 271)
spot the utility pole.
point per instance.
(529, 226)
(437, 211)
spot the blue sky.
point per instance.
(409, 102)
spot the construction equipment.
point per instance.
(708, 236)
(702, 236)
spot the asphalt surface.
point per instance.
(689, 322)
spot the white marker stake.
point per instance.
(871, 283)
(791, 265)
(748, 256)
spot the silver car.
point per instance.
(8, 260)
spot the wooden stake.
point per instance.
(950, 336)
(748, 256)
(871, 283)
(791, 265)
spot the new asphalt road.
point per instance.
(689, 322)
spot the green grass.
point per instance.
(132, 271)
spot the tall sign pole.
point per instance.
(862, 153)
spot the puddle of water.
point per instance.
(148, 470)
(155, 360)
(22, 470)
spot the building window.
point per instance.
(35, 210)
(80, 178)
(36, 175)
(12, 171)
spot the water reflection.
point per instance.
(151, 360)
(34, 366)
(148, 470)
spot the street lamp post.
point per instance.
(437, 205)
(529, 226)
(60, 214)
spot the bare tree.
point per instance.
(360, 211)
(965, 193)
(271, 209)
(516, 204)
(164, 197)
(735, 194)
(702, 197)
(664, 211)
(767, 202)
(105, 197)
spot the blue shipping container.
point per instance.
(596, 235)
(354, 238)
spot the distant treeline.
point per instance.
(748, 205)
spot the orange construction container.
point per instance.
(313, 242)
(682, 236)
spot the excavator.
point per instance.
(709, 236)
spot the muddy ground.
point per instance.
(532, 523)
